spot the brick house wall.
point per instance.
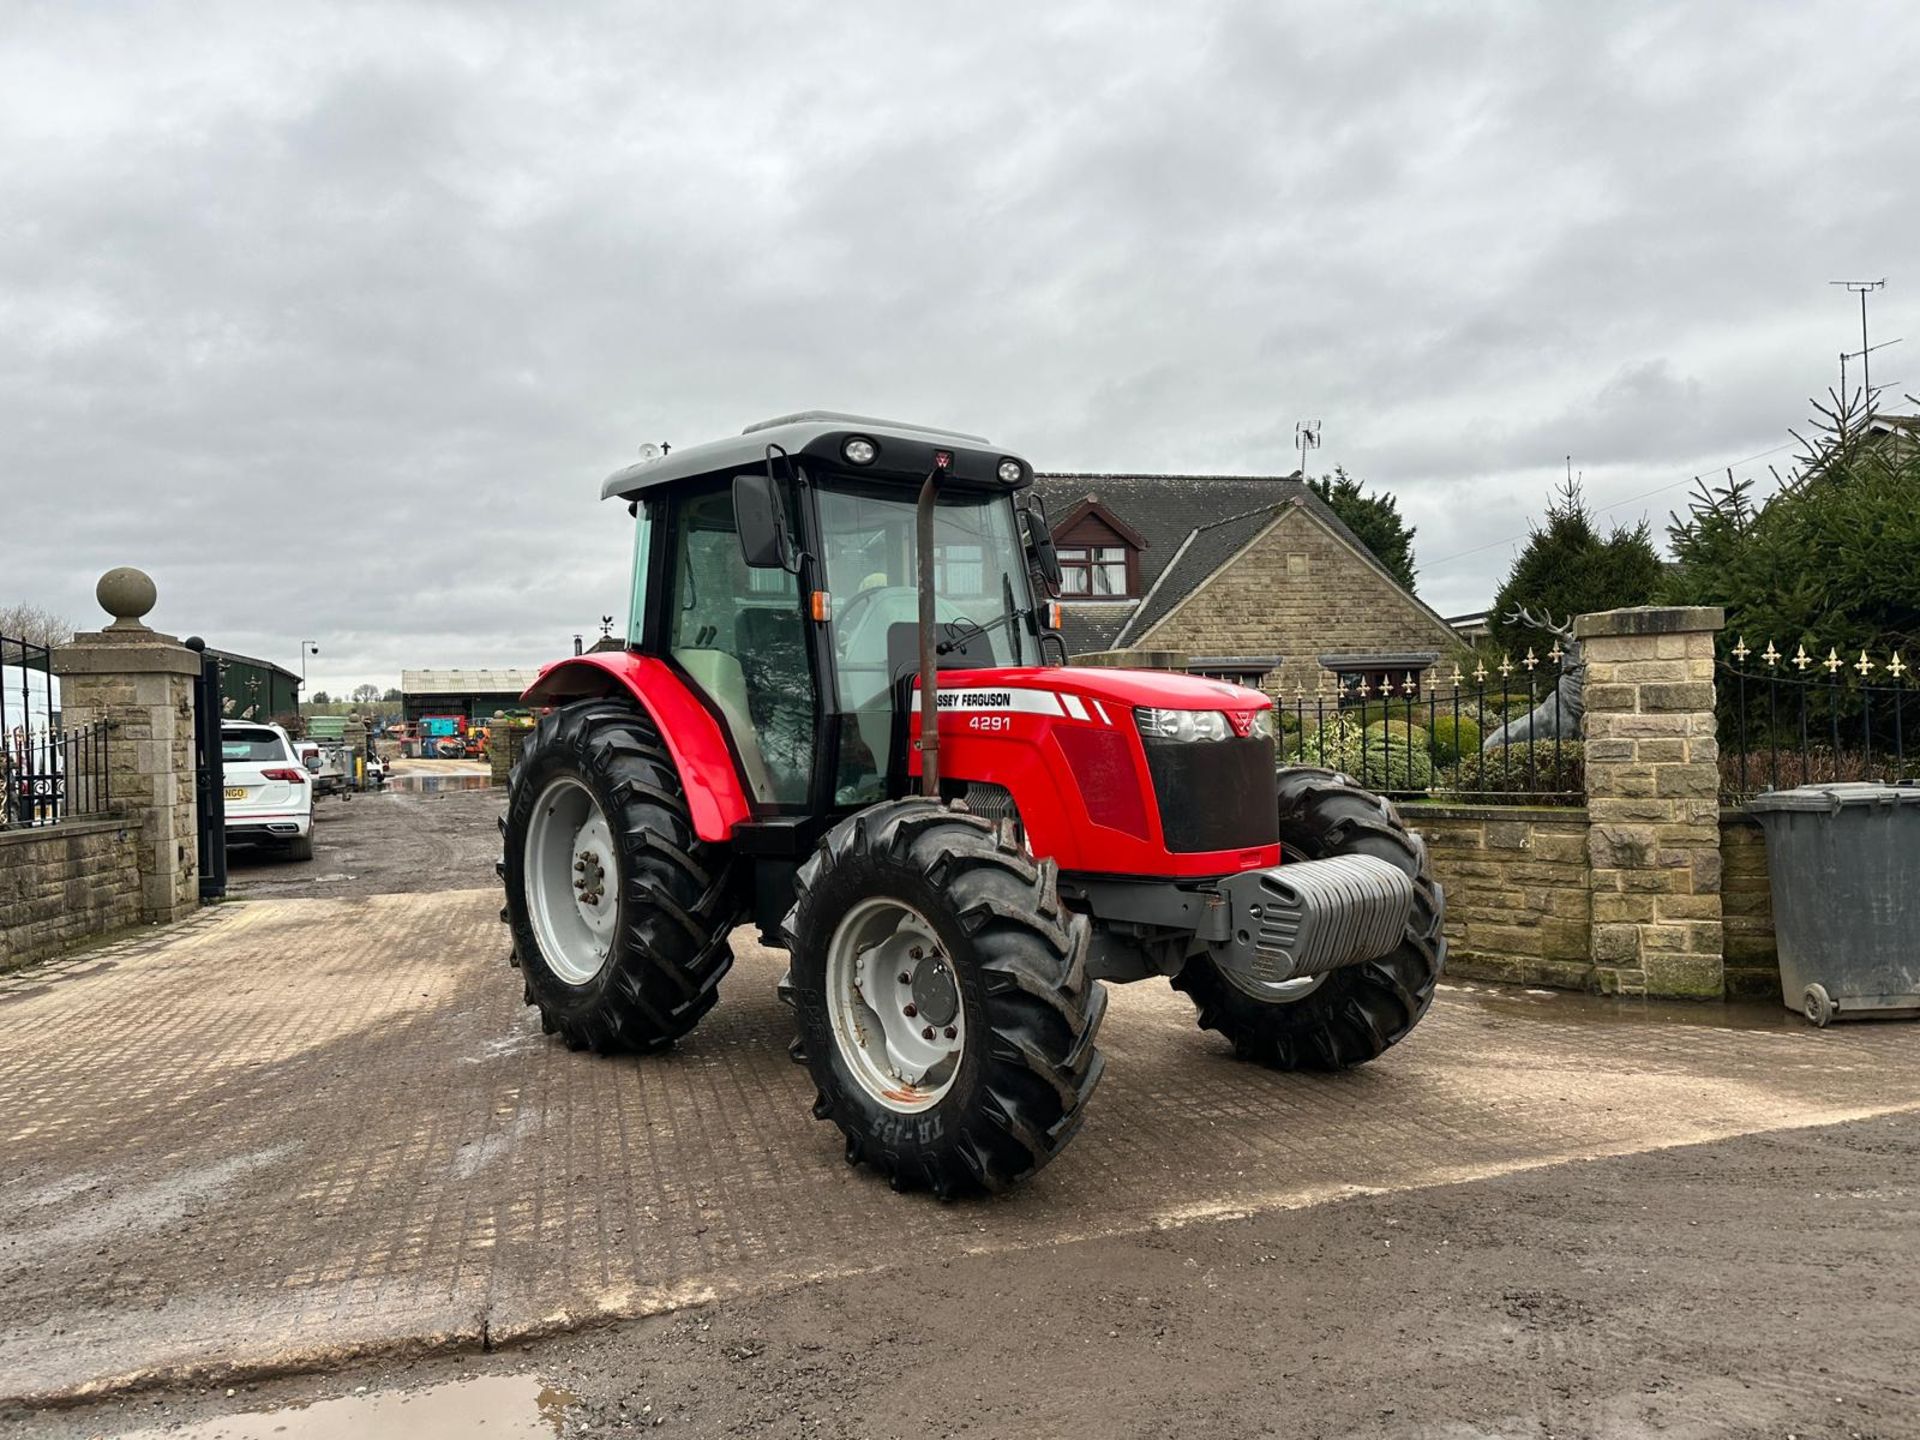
(1298, 591)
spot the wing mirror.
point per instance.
(1038, 536)
(762, 523)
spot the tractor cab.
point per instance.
(779, 572)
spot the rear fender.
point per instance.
(716, 798)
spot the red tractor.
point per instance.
(836, 716)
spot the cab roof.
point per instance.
(905, 452)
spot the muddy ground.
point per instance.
(431, 832)
(1765, 1286)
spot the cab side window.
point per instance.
(737, 632)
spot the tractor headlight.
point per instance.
(1182, 724)
(1263, 726)
(1009, 472)
(859, 450)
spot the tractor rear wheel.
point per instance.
(944, 1008)
(619, 914)
(1352, 1015)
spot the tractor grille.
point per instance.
(1214, 794)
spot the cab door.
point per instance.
(737, 633)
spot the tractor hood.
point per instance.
(1167, 689)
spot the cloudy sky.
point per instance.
(332, 319)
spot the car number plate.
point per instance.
(236, 792)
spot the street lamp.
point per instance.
(307, 647)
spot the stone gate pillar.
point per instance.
(1653, 811)
(141, 683)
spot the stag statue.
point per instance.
(1558, 716)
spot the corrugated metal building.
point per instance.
(253, 689)
(475, 694)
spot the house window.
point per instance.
(1093, 570)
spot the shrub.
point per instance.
(1399, 732)
(1453, 736)
(1555, 775)
(1381, 764)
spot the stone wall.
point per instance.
(505, 745)
(1516, 881)
(64, 884)
(1746, 905)
(1653, 785)
(140, 683)
(1298, 591)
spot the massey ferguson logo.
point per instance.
(975, 699)
(1242, 722)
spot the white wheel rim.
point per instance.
(895, 1006)
(572, 881)
(1275, 992)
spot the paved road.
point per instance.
(296, 1129)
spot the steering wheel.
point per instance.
(857, 607)
(903, 605)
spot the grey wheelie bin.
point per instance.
(1844, 862)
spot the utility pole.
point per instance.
(1306, 436)
(1862, 288)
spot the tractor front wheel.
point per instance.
(619, 914)
(944, 1006)
(1347, 1016)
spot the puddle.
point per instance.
(493, 1407)
(432, 783)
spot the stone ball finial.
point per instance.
(126, 594)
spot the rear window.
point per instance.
(252, 745)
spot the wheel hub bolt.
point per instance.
(909, 1010)
(927, 1034)
(915, 953)
(905, 978)
(951, 1032)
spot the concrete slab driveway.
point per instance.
(297, 1129)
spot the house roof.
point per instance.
(1192, 525)
(1204, 550)
(1091, 625)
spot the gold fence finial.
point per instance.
(1833, 661)
(1770, 655)
(1740, 651)
(1801, 659)
(1532, 659)
(1864, 665)
(1897, 667)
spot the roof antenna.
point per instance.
(1862, 288)
(1306, 436)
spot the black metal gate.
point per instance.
(209, 775)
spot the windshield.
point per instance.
(868, 548)
(980, 583)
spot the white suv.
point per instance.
(269, 797)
